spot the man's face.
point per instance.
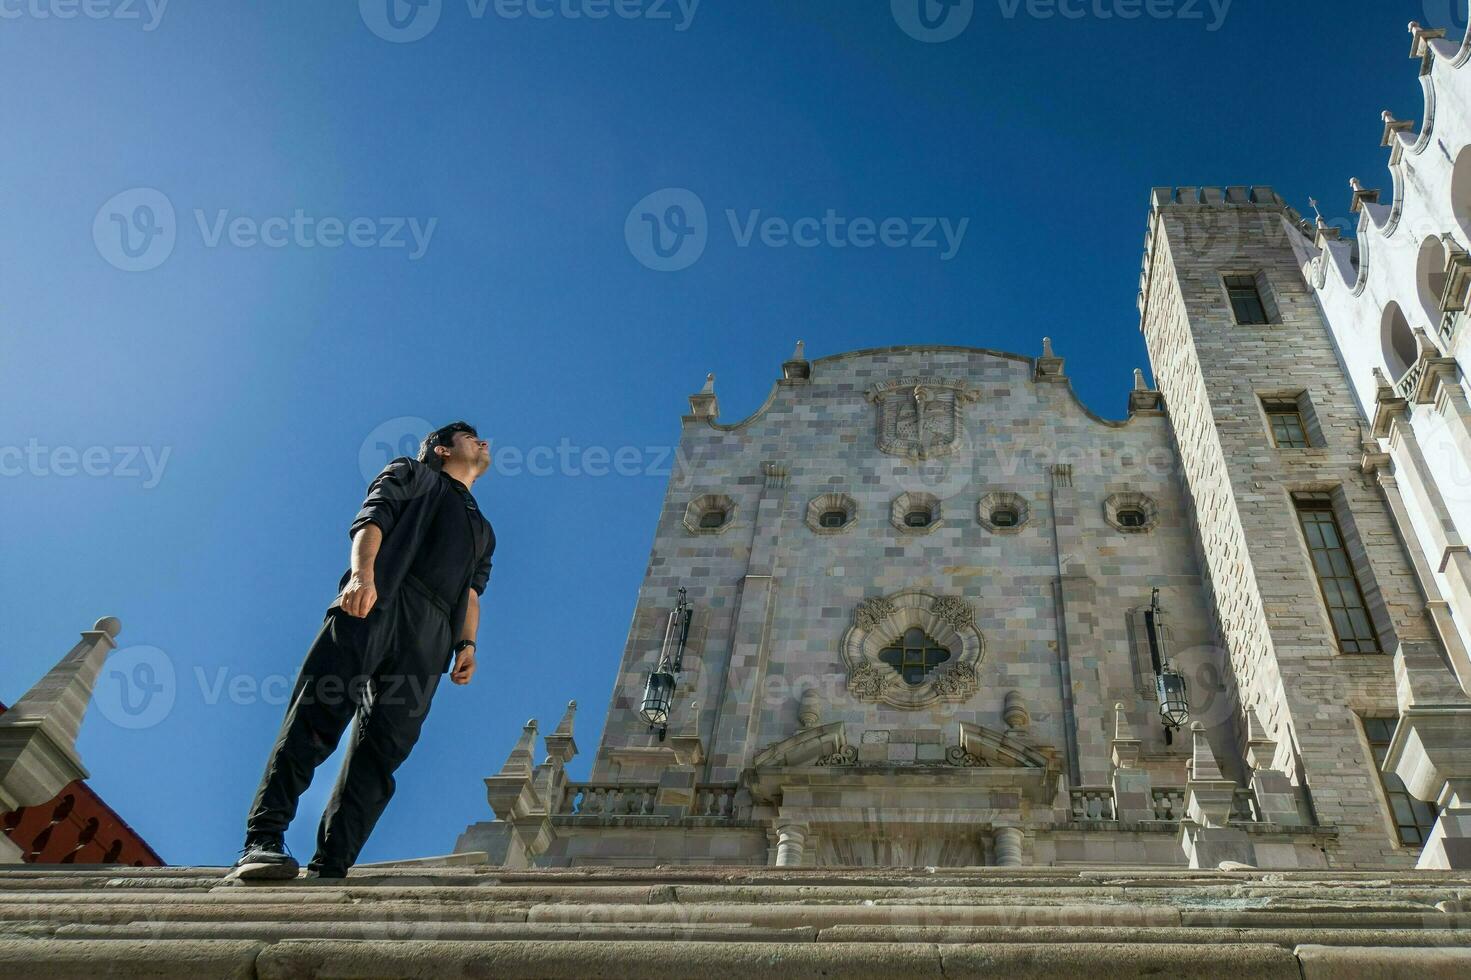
(469, 448)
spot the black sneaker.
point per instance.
(265, 858)
(313, 871)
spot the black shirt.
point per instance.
(455, 541)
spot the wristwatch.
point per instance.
(464, 643)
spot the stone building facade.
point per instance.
(922, 580)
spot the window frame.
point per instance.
(925, 664)
(1275, 407)
(1377, 732)
(1320, 502)
(1259, 296)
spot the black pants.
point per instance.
(383, 670)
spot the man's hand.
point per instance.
(359, 597)
(464, 667)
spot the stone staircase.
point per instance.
(707, 922)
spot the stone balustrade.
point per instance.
(715, 800)
(609, 799)
(1092, 803)
(1169, 802)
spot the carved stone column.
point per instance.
(1008, 844)
(791, 839)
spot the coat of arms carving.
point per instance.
(921, 418)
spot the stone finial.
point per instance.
(38, 735)
(1380, 381)
(561, 747)
(1209, 794)
(1144, 398)
(1124, 749)
(797, 368)
(520, 761)
(1049, 365)
(564, 727)
(689, 748)
(1203, 765)
(703, 404)
(1361, 195)
(1014, 711)
(1261, 748)
(1388, 116)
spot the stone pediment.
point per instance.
(995, 749)
(806, 748)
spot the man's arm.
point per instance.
(360, 595)
(464, 667)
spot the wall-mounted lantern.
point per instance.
(1169, 684)
(659, 692)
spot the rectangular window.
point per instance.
(1412, 818)
(1336, 579)
(1285, 418)
(1246, 300)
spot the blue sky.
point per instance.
(367, 231)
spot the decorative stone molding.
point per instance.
(828, 502)
(1003, 500)
(878, 622)
(809, 709)
(907, 503)
(956, 756)
(845, 756)
(1014, 711)
(1131, 501)
(921, 418)
(709, 503)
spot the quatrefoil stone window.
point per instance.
(939, 665)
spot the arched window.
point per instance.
(1461, 192)
(1430, 276)
(1397, 341)
(914, 655)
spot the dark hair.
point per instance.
(442, 437)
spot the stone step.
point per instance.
(578, 960)
(371, 928)
(682, 922)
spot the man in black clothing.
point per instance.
(406, 612)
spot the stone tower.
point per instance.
(1240, 349)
